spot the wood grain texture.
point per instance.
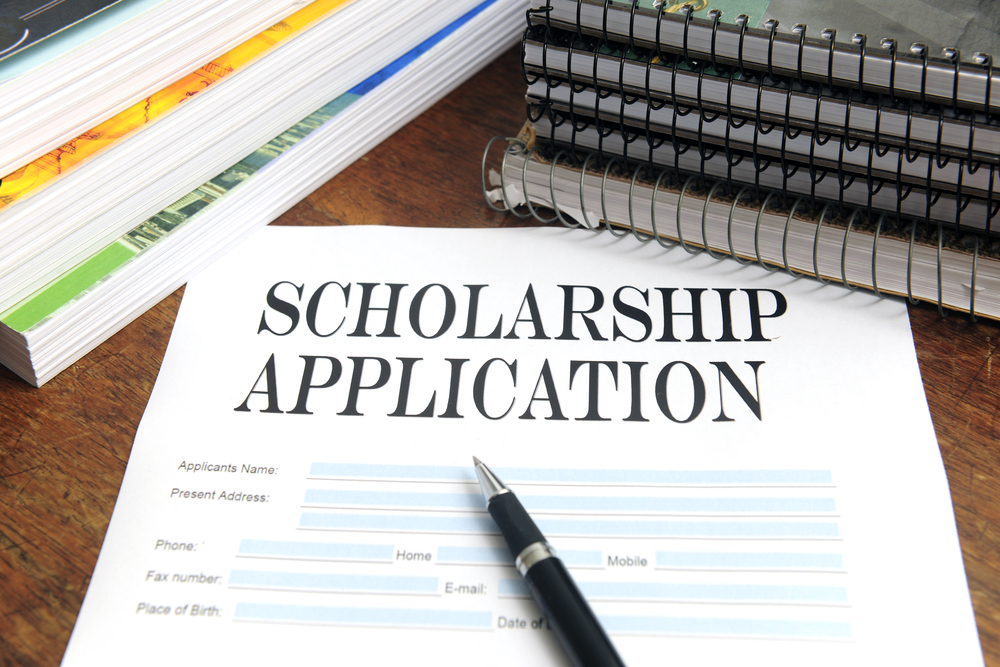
(963, 394)
(63, 448)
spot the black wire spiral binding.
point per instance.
(889, 44)
(714, 15)
(679, 40)
(631, 27)
(683, 138)
(771, 25)
(986, 60)
(743, 21)
(800, 30)
(861, 41)
(653, 60)
(610, 163)
(785, 264)
(688, 12)
(606, 41)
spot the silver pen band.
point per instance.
(531, 554)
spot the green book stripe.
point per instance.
(60, 292)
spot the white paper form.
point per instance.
(737, 466)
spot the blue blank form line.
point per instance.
(364, 616)
(692, 560)
(474, 556)
(448, 555)
(367, 553)
(679, 505)
(334, 583)
(731, 627)
(449, 501)
(399, 524)
(578, 476)
(602, 591)
(601, 504)
(394, 472)
(575, 527)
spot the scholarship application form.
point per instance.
(737, 466)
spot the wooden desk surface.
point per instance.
(63, 447)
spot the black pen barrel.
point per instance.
(571, 618)
(515, 525)
(574, 623)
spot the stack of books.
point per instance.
(157, 165)
(85, 68)
(742, 134)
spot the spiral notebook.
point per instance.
(755, 139)
(851, 61)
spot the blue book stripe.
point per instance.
(375, 79)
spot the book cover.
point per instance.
(28, 22)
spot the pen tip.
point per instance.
(488, 482)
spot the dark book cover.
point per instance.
(25, 22)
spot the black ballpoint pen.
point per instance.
(575, 625)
